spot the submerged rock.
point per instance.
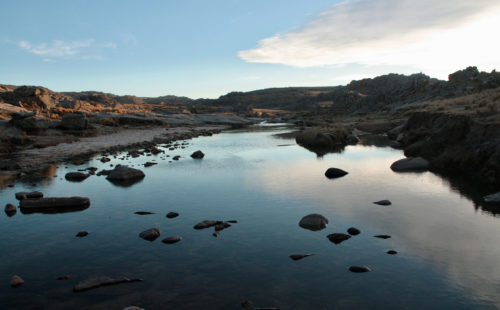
(384, 202)
(149, 164)
(359, 269)
(76, 176)
(97, 281)
(172, 239)
(16, 281)
(338, 237)
(143, 212)
(10, 209)
(198, 155)
(353, 231)
(333, 173)
(410, 164)
(382, 236)
(392, 252)
(205, 224)
(300, 256)
(54, 204)
(171, 215)
(313, 222)
(150, 234)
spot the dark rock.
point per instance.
(171, 215)
(75, 121)
(10, 209)
(149, 164)
(105, 159)
(410, 164)
(382, 236)
(54, 204)
(392, 252)
(359, 269)
(125, 176)
(176, 157)
(103, 172)
(383, 202)
(25, 121)
(215, 234)
(172, 239)
(332, 173)
(63, 278)
(353, 231)
(313, 222)
(16, 281)
(352, 140)
(205, 224)
(338, 237)
(76, 176)
(30, 195)
(232, 221)
(98, 281)
(133, 308)
(143, 212)
(299, 256)
(82, 234)
(150, 234)
(198, 155)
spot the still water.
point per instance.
(448, 248)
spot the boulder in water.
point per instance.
(313, 222)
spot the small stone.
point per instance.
(82, 234)
(105, 159)
(384, 202)
(359, 269)
(176, 157)
(198, 155)
(300, 256)
(149, 164)
(392, 252)
(338, 237)
(313, 222)
(76, 176)
(382, 236)
(150, 234)
(10, 209)
(232, 221)
(333, 173)
(16, 281)
(172, 239)
(353, 231)
(171, 215)
(215, 234)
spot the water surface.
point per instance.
(448, 247)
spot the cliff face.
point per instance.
(455, 144)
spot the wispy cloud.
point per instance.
(59, 49)
(427, 34)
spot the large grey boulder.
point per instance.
(75, 121)
(410, 164)
(313, 222)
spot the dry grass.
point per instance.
(483, 106)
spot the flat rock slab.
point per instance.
(171, 215)
(124, 173)
(382, 236)
(384, 202)
(98, 281)
(300, 256)
(338, 237)
(31, 195)
(333, 173)
(172, 239)
(410, 164)
(313, 222)
(205, 224)
(359, 269)
(76, 176)
(54, 204)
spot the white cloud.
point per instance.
(58, 49)
(435, 36)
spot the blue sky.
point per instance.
(208, 48)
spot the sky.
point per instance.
(204, 49)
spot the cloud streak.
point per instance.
(426, 34)
(59, 49)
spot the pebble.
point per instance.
(359, 269)
(172, 239)
(353, 231)
(171, 215)
(392, 252)
(82, 234)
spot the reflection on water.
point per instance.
(447, 251)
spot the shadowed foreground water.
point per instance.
(448, 249)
